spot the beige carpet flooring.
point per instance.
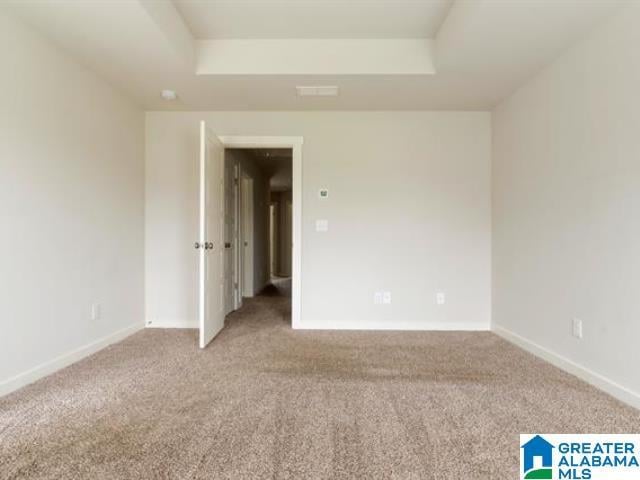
(264, 401)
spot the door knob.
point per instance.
(208, 245)
(197, 245)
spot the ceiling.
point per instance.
(313, 18)
(470, 54)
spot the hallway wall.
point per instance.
(409, 213)
(283, 232)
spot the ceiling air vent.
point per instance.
(317, 91)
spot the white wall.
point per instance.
(566, 207)
(71, 204)
(409, 212)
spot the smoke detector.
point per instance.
(317, 91)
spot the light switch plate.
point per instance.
(322, 225)
(323, 193)
(386, 298)
(440, 298)
(377, 298)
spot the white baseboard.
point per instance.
(172, 324)
(47, 368)
(400, 326)
(599, 381)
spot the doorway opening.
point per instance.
(233, 234)
(258, 212)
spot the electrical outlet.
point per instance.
(386, 298)
(377, 298)
(95, 311)
(440, 298)
(577, 328)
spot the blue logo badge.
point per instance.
(538, 459)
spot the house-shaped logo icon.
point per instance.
(538, 447)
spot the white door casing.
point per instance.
(295, 143)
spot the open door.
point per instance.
(210, 244)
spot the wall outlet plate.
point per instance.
(95, 311)
(386, 298)
(440, 298)
(577, 328)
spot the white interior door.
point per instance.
(287, 240)
(211, 236)
(273, 243)
(230, 233)
(247, 237)
(237, 256)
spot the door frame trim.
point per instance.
(295, 144)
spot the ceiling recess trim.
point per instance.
(316, 57)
